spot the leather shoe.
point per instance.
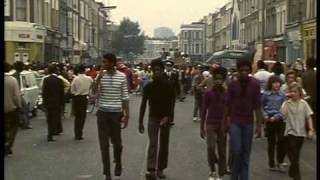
(151, 176)
(161, 175)
(51, 139)
(118, 170)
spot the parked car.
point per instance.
(29, 89)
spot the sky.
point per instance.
(162, 13)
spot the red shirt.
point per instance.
(92, 73)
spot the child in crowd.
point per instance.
(297, 114)
(213, 124)
(272, 100)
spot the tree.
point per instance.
(129, 38)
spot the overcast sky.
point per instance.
(162, 13)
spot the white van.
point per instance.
(29, 88)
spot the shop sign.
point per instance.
(39, 36)
(294, 35)
(24, 35)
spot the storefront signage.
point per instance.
(296, 44)
(39, 36)
(24, 35)
(294, 35)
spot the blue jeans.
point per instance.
(240, 140)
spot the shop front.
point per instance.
(24, 42)
(310, 39)
(294, 44)
(280, 48)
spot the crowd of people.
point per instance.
(227, 102)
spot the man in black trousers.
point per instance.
(80, 88)
(53, 100)
(161, 96)
(113, 112)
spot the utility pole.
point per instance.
(99, 9)
(262, 29)
(301, 28)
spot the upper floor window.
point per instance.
(21, 10)
(197, 48)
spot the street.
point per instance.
(66, 159)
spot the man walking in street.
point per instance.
(262, 75)
(161, 96)
(80, 87)
(173, 78)
(53, 100)
(113, 112)
(243, 102)
(12, 104)
(24, 111)
(309, 82)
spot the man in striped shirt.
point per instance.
(113, 112)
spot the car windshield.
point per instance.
(229, 63)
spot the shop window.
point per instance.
(22, 45)
(312, 48)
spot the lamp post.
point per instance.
(262, 31)
(99, 10)
(130, 48)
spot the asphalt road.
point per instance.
(66, 159)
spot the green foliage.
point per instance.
(128, 38)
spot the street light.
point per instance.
(99, 9)
(133, 38)
(106, 7)
(262, 33)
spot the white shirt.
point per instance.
(296, 114)
(81, 85)
(263, 77)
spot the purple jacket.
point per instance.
(214, 103)
(242, 104)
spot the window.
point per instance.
(197, 35)
(37, 12)
(192, 49)
(75, 4)
(185, 47)
(81, 9)
(312, 10)
(315, 8)
(197, 48)
(81, 30)
(21, 10)
(86, 11)
(186, 35)
(284, 18)
(280, 24)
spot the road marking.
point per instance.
(144, 163)
(85, 176)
